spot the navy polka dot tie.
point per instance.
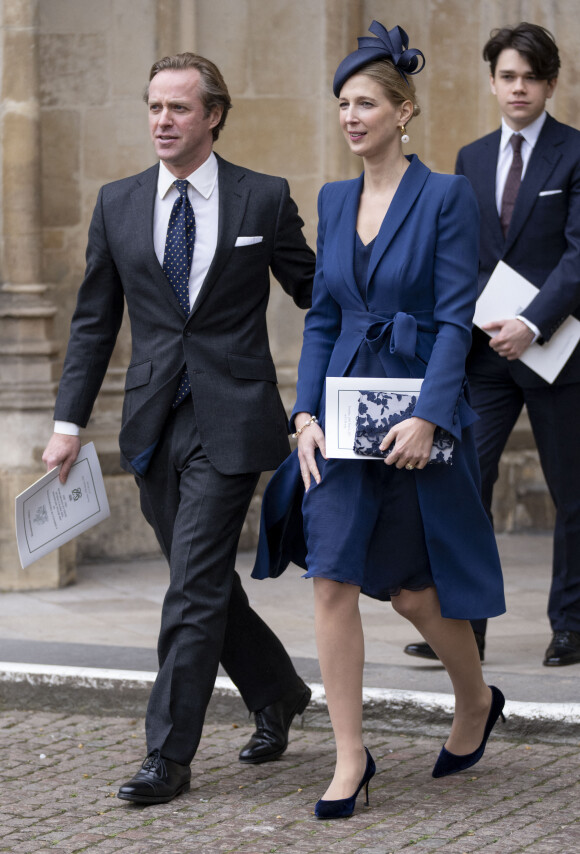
(177, 261)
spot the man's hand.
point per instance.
(513, 337)
(61, 449)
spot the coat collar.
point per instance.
(407, 192)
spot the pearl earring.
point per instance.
(404, 135)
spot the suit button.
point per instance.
(187, 333)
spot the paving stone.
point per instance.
(520, 799)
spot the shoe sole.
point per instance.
(300, 707)
(433, 657)
(143, 799)
(421, 655)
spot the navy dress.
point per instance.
(362, 523)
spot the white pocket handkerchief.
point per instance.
(247, 241)
(549, 192)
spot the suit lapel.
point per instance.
(346, 233)
(143, 201)
(233, 199)
(485, 189)
(409, 188)
(544, 158)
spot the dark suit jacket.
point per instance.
(224, 341)
(543, 241)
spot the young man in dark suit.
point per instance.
(188, 245)
(526, 177)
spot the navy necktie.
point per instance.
(512, 184)
(177, 261)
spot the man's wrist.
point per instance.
(67, 428)
(531, 326)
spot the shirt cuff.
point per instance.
(67, 428)
(531, 326)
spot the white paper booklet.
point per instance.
(506, 295)
(49, 513)
(342, 394)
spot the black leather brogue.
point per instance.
(158, 781)
(423, 650)
(270, 739)
(564, 649)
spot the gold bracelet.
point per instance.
(313, 420)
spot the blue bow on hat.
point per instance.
(389, 44)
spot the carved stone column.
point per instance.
(26, 346)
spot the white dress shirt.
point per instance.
(203, 194)
(530, 135)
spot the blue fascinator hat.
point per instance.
(389, 44)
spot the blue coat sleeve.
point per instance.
(321, 329)
(455, 269)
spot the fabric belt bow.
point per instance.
(400, 330)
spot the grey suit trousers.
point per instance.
(197, 514)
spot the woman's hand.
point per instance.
(413, 440)
(310, 438)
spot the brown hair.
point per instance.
(213, 90)
(397, 88)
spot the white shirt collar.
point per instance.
(530, 133)
(203, 179)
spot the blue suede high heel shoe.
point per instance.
(344, 807)
(450, 763)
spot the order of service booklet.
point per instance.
(50, 513)
(506, 295)
(342, 400)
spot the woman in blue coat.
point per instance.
(394, 296)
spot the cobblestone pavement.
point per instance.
(59, 775)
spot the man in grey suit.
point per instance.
(188, 246)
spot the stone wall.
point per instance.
(72, 76)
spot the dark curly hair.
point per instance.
(535, 43)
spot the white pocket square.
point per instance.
(247, 241)
(549, 192)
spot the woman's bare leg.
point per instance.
(454, 643)
(340, 642)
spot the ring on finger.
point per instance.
(409, 466)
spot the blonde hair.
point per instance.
(396, 88)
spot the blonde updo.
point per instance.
(397, 89)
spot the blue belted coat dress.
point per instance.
(420, 291)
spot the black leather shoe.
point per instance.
(564, 649)
(158, 782)
(423, 650)
(270, 739)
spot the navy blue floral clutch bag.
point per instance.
(378, 411)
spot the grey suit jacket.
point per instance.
(224, 341)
